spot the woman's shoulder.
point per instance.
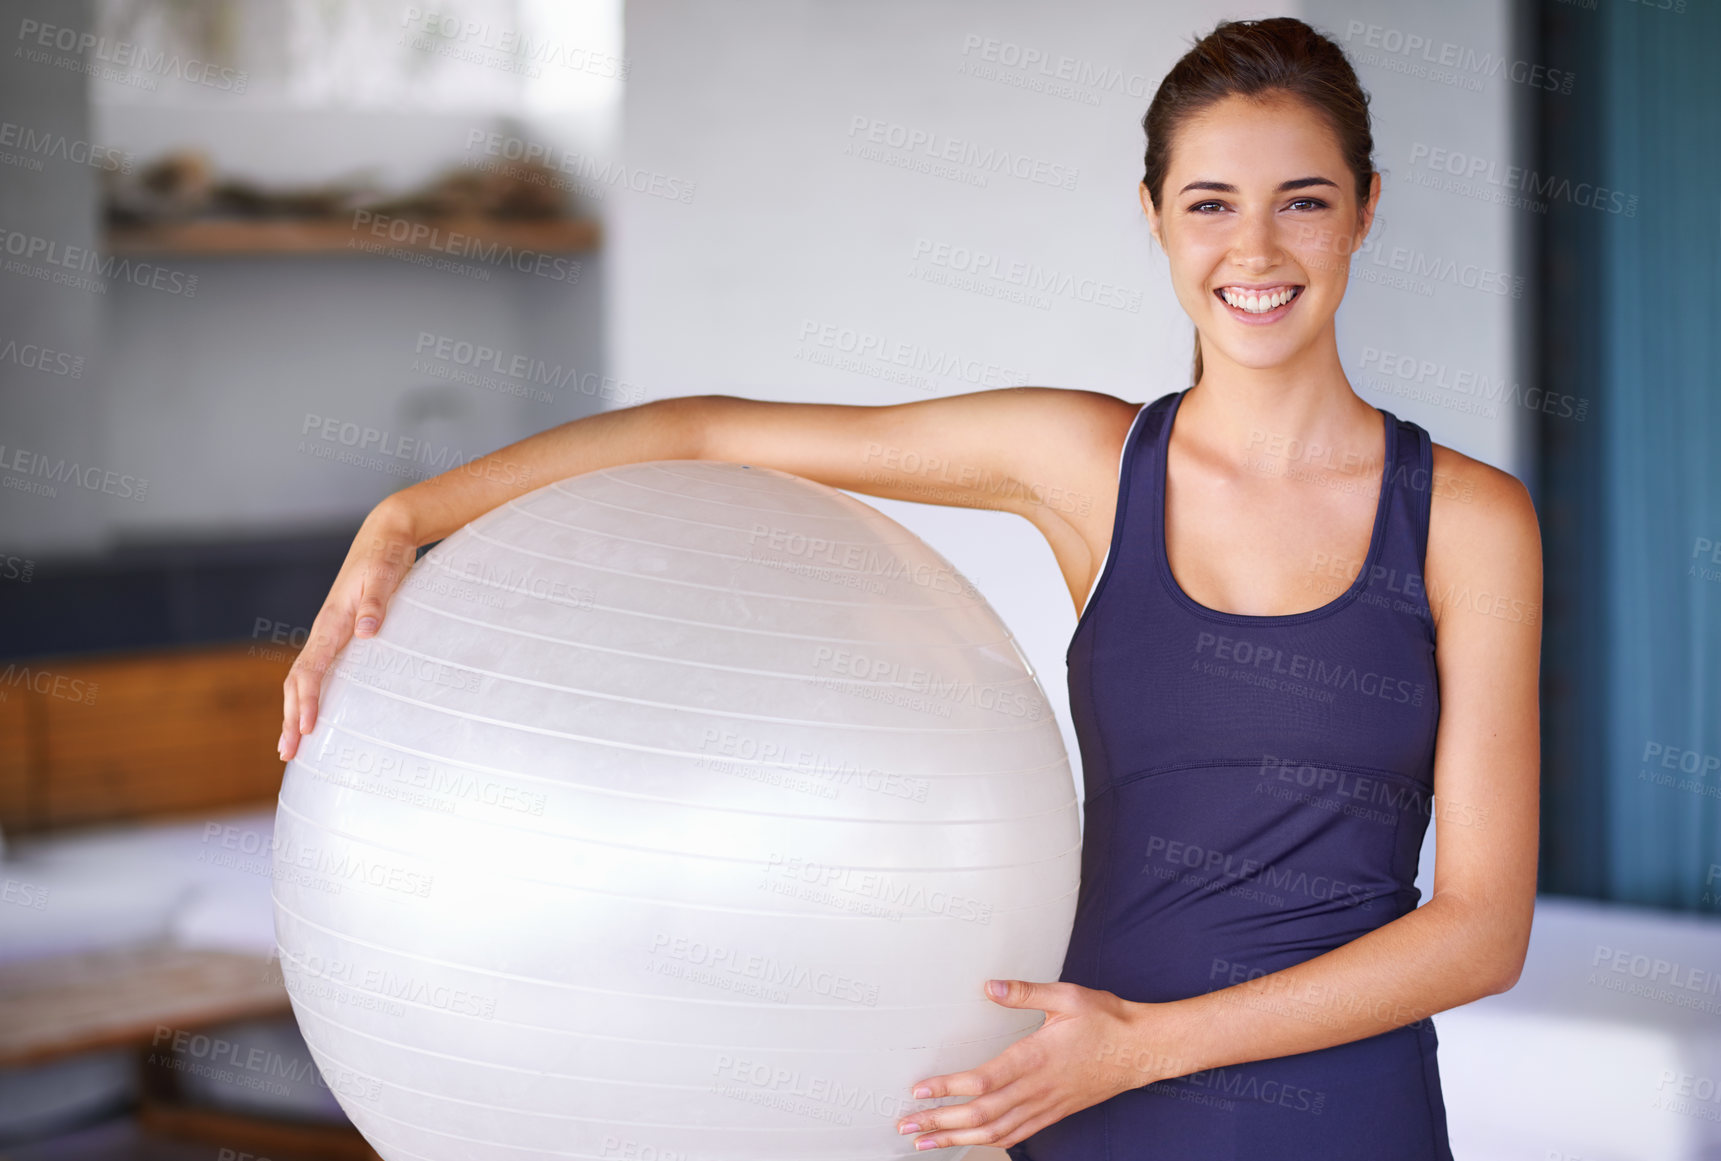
(1484, 541)
(1067, 425)
(1474, 491)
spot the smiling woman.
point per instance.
(1280, 673)
(1250, 975)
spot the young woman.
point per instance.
(1304, 631)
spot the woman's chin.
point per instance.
(1255, 356)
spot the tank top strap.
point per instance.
(1137, 488)
(1404, 548)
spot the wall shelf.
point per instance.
(235, 237)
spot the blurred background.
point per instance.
(265, 264)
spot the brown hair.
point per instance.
(1261, 59)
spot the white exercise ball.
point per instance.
(679, 811)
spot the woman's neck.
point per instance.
(1310, 403)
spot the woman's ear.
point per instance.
(1152, 216)
(1365, 220)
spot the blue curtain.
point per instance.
(1630, 495)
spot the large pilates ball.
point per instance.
(678, 812)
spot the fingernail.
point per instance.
(998, 988)
(921, 1093)
(367, 624)
(927, 1143)
(908, 1127)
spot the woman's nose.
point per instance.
(1257, 243)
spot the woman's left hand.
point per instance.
(1089, 1048)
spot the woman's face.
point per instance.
(1258, 200)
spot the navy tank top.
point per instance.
(1257, 789)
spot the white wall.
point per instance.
(790, 228)
(52, 412)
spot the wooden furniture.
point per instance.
(153, 734)
(218, 237)
(147, 735)
(60, 1005)
(144, 998)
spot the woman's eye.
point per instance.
(1210, 207)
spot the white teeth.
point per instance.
(1256, 303)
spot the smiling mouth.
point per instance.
(1258, 301)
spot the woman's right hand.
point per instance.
(382, 552)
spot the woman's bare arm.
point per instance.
(1044, 453)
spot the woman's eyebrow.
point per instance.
(1284, 186)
